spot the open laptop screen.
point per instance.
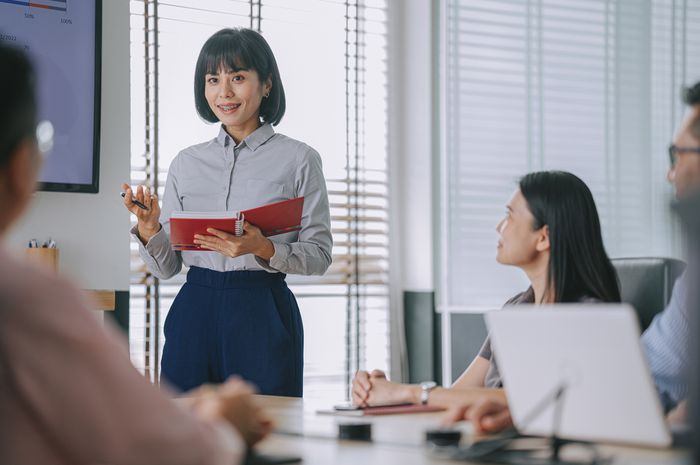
(593, 352)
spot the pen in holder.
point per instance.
(45, 256)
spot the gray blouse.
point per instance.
(493, 375)
(263, 168)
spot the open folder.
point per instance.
(274, 218)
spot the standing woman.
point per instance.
(235, 314)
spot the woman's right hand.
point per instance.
(149, 219)
(360, 388)
(370, 389)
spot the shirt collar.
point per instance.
(254, 139)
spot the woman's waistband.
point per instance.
(234, 279)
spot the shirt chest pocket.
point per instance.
(259, 192)
(200, 196)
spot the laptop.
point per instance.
(577, 370)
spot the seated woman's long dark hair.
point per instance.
(579, 267)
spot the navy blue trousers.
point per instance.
(244, 323)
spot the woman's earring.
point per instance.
(266, 95)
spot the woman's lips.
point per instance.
(229, 107)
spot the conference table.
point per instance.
(396, 439)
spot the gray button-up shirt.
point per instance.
(263, 168)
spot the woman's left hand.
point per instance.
(252, 241)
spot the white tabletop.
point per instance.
(398, 439)
(297, 417)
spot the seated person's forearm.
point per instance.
(449, 397)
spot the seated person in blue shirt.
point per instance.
(551, 231)
(666, 341)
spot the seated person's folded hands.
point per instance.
(374, 389)
(233, 401)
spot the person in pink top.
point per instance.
(68, 392)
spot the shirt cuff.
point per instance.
(156, 242)
(279, 258)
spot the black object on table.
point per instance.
(255, 458)
(355, 431)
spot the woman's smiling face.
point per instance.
(235, 97)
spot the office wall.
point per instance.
(91, 230)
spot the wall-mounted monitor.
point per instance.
(63, 39)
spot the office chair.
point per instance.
(646, 283)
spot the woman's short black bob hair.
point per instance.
(239, 49)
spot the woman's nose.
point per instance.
(226, 89)
(500, 225)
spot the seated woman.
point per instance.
(551, 231)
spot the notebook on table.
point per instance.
(273, 219)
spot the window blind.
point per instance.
(332, 57)
(590, 87)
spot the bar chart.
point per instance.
(60, 37)
(56, 5)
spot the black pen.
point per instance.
(136, 202)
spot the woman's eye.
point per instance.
(212, 80)
(237, 78)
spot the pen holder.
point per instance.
(45, 256)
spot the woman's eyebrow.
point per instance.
(235, 70)
(226, 71)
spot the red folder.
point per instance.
(276, 218)
(272, 219)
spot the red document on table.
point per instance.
(274, 218)
(346, 410)
(401, 408)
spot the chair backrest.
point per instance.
(646, 283)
